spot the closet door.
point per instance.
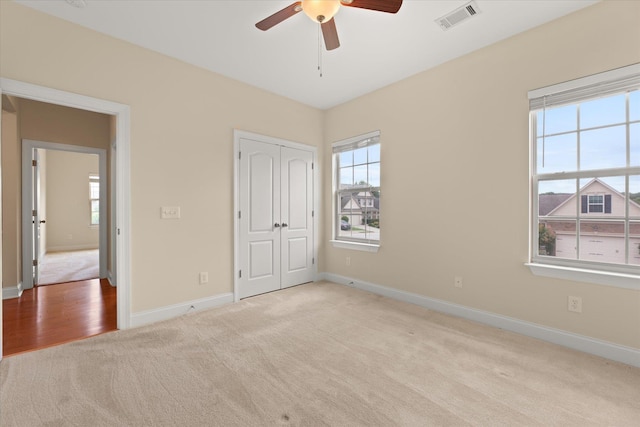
(275, 218)
(297, 216)
(259, 217)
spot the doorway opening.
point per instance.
(61, 200)
(120, 195)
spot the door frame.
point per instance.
(28, 195)
(237, 135)
(122, 114)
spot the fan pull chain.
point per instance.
(319, 52)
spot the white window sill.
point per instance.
(364, 247)
(620, 280)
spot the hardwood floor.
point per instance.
(55, 314)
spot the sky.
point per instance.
(600, 125)
(362, 164)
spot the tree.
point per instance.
(345, 218)
(546, 240)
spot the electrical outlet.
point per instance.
(575, 304)
(348, 261)
(204, 277)
(457, 282)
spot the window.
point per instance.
(94, 199)
(357, 190)
(585, 149)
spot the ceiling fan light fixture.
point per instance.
(320, 10)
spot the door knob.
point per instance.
(284, 224)
(42, 221)
(276, 225)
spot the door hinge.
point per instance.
(239, 214)
(313, 213)
(313, 260)
(240, 274)
(239, 155)
(34, 163)
(35, 262)
(34, 212)
(312, 165)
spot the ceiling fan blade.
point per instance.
(330, 34)
(389, 6)
(279, 16)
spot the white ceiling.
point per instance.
(376, 49)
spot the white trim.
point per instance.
(619, 353)
(606, 278)
(355, 139)
(74, 248)
(594, 79)
(240, 134)
(175, 310)
(111, 279)
(356, 246)
(12, 292)
(122, 114)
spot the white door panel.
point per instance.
(261, 259)
(260, 207)
(297, 207)
(261, 191)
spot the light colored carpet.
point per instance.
(316, 355)
(61, 267)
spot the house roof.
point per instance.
(354, 196)
(548, 202)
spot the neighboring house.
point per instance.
(360, 207)
(601, 239)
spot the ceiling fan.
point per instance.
(323, 11)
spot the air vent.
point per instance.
(77, 3)
(459, 15)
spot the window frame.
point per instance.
(94, 178)
(622, 80)
(592, 204)
(350, 144)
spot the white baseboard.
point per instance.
(12, 292)
(69, 248)
(175, 310)
(619, 353)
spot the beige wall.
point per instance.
(68, 208)
(455, 175)
(182, 121)
(41, 121)
(443, 132)
(11, 199)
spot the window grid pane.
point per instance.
(590, 218)
(357, 192)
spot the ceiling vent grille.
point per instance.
(77, 3)
(459, 15)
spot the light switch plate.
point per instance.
(170, 212)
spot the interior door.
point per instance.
(275, 218)
(296, 179)
(35, 204)
(259, 217)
